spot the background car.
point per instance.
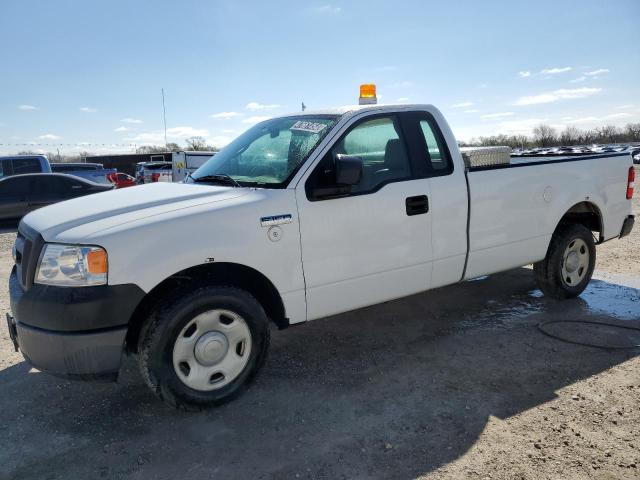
(20, 164)
(20, 194)
(121, 180)
(157, 172)
(94, 172)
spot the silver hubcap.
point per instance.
(212, 350)
(575, 262)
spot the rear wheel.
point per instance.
(201, 348)
(568, 266)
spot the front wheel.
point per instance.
(202, 347)
(568, 266)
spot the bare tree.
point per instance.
(198, 144)
(608, 133)
(544, 135)
(570, 136)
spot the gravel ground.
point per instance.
(454, 383)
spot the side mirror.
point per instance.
(348, 169)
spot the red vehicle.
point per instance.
(121, 180)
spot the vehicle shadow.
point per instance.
(392, 391)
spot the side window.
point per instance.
(47, 186)
(437, 153)
(26, 165)
(379, 144)
(15, 186)
(1, 169)
(382, 150)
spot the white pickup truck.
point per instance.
(301, 217)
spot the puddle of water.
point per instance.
(615, 295)
(502, 315)
(618, 301)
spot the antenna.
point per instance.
(164, 116)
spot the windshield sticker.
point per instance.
(310, 127)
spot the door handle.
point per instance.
(417, 205)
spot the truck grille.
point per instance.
(27, 249)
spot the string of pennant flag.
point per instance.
(32, 144)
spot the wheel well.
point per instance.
(233, 274)
(587, 214)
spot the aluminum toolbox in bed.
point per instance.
(485, 156)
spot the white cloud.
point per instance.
(48, 136)
(173, 134)
(228, 130)
(463, 104)
(524, 74)
(578, 80)
(121, 129)
(256, 119)
(599, 120)
(402, 99)
(624, 107)
(27, 107)
(328, 9)
(253, 106)
(131, 120)
(524, 126)
(613, 116)
(555, 70)
(225, 115)
(497, 115)
(600, 71)
(561, 94)
(472, 110)
(402, 84)
(88, 109)
(219, 140)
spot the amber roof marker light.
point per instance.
(368, 94)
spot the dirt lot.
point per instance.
(454, 383)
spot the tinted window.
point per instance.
(26, 165)
(380, 145)
(48, 186)
(15, 186)
(437, 153)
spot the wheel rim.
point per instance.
(575, 262)
(212, 350)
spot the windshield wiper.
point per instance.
(217, 178)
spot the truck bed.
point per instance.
(515, 208)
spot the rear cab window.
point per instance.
(26, 165)
(438, 156)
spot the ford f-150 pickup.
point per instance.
(301, 217)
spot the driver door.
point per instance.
(373, 244)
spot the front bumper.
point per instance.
(72, 332)
(627, 226)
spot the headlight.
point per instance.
(72, 266)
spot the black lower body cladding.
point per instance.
(73, 331)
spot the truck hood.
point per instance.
(105, 210)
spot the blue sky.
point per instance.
(92, 71)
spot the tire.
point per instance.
(563, 274)
(182, 342)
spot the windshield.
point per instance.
(268, 154)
